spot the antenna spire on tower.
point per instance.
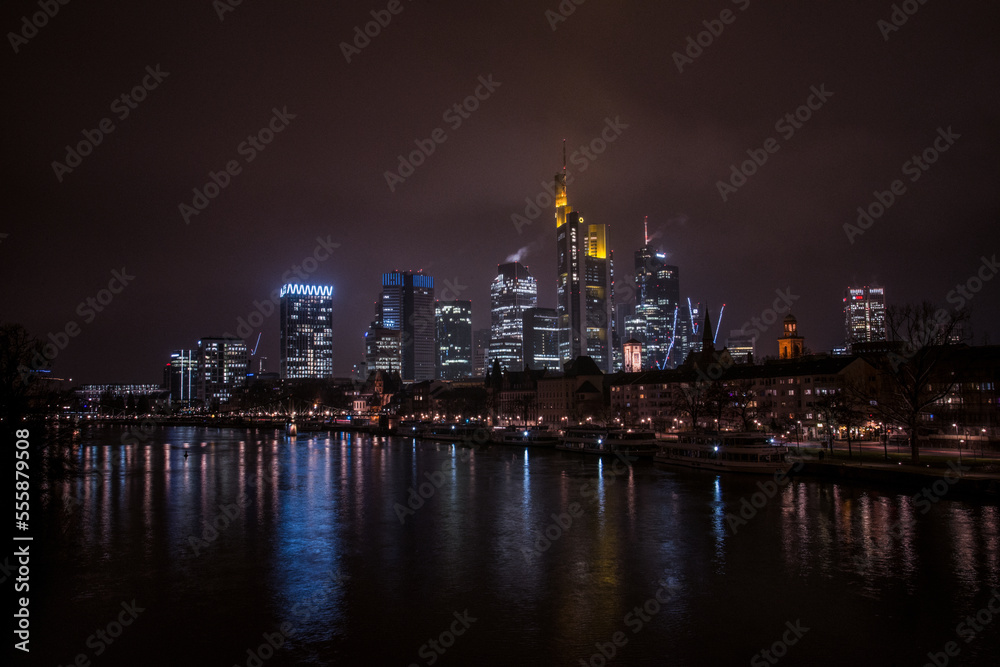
(564, 156)
(645, 230)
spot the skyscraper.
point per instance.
(541, 339)
(864, 315)
(306, 337)
(454, 339)
(180, 377)
(657, 309)
(632, 356)
(222, 369)
(741, 346)
(407, 305)
(583, 287)
(383, 349)
(513, 291)
(480, 352)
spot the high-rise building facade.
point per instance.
(583, 284)
(407, 305)
(741, 346)
(383, 349)
(513, 291)
(222, 369)
(480, 351)
(632, 353)
(454, 339)
(306, 336)
(658, 296)
(541, 339)
(864, 315)
(180, 376)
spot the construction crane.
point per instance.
(718, 324)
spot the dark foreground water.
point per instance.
(309, 550)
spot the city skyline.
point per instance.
(313, 205)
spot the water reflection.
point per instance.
(308, 531)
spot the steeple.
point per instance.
(706, 331)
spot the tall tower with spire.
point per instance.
(657, 306)
(583, 283)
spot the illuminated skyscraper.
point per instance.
(513, 291)
(480, 352)
(657, 309)
(741, 346)
(632, 356)
(383, 349)
(583, 288)
(222, 369)
(864, 314)
(306, 337)
(454, 339)
(407, 305)
(541, 339)
(180, 376)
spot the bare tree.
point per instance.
(19, 351)
(911, 377)
(689, 399)
(741, 403)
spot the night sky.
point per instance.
(323, 175)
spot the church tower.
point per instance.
(791, 344)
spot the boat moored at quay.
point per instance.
(449, 432)
(598, 440)
(735, 452)
(531, 436)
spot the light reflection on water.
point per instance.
(260, 530)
